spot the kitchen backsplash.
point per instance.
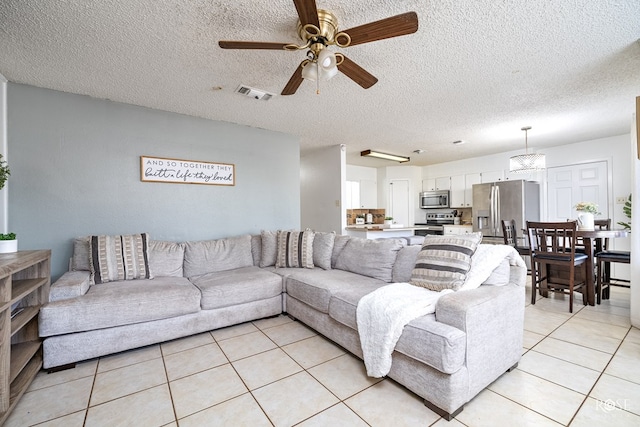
(377, 214)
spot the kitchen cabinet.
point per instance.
(361, 194)
(440, 183)
(457, 193)
(462, 189)
(368, 194)
(492, 176)
(457, 229)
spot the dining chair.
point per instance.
(604, 258)
(554, 261)
(510, 236)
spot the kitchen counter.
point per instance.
(378, 231)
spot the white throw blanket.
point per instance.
(383, 313)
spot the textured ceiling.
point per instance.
(475, 70)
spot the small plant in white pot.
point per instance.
(388, 220)
(8, 241)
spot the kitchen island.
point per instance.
(379, 231)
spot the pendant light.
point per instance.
(525, 163)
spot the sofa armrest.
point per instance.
(493, 319)
(71, 284)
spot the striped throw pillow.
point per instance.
(444, 261)
(295, 249)
(124, 257)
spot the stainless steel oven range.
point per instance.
(434, 222)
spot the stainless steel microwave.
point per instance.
(434, 199)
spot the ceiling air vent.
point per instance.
(254, 93)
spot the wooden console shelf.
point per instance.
(24, 288)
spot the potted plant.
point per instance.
(8, 242)
(360, 219)
(586, 212)
(627, 211)
(388, 220)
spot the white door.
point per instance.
(568, 185)
(399, 201)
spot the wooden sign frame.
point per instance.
(180, 171)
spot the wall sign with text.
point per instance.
(158, 169)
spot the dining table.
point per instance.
(593, 243)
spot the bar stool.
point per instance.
(554, 260)
(604, 259)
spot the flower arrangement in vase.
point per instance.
(586, 212)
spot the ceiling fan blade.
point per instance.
(228, 44)
(357, 73)
(399, 25)
(307, 11)
(294, 82)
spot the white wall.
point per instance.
(322, 189)
(361, 173)
(75, 171)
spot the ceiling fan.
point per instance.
(318, 29)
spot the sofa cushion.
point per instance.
(338, 245)
(256, 249)
(295, 249)
(315, 287)
(322, 249)
(436, 344)
(373, 258)
(210, 256)
(405, 261)
(120, 303)
(444, 261)
(166, 258)
(239, 286)
(269, 248)
(120, 257)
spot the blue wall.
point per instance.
(75, 171)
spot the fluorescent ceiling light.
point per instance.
(379, 155)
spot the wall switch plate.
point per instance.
(621, 200)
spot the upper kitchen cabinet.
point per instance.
(433, 184)
(492, 176)
(461, 189)
(368, 194)
(361, 194)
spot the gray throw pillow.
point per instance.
(269, 248)
(322, 249)
(444, 261)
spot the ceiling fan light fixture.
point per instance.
(326, 59)
(385, 156)
(328, 73)
(310, 71)
(526, 163)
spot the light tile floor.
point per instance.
(580, 369)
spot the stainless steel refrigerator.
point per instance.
(494, 201)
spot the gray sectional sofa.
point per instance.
(447, 357)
